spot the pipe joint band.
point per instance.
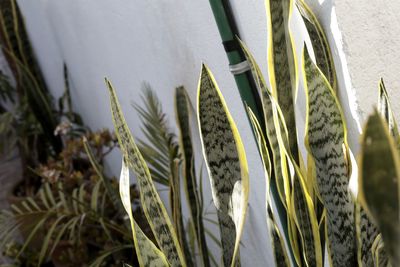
(239, 68)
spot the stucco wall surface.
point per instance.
(163, 43)
(371, 41)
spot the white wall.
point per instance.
(371, 36)
(163, 42)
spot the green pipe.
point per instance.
(248, 92)
(228, 31)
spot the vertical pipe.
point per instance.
(248, 92)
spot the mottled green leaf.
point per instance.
(379, 183)
(182, 110)
(366, 235)
(326, 141)
(323, 54)
(380, 257)
(282, 64)
(300, 207)
(226, 164)
(278, 244)
(153, 207)
(269, 104)
(148, 254)
(177, 216)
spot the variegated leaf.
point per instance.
(278, 244)
(148, 254)
(386, 112)
(226, 164)
(281, 175)
(326, 141)
(323, 54)
(379, 183)
(182, 110)
(281, 64)
(380, 257)
(176, 207)
(153, 207)
(366, 234)
(278, 137)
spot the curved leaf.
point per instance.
(386, 112)
(282, 64)
(226, 164)
(380, 257)
(323, 54)
(379, 183)
(182, 110)
(366, 235)
(269, 104)
(326, 141)
(148, 254)
(278, 244)
(300, 207)
(153, 208)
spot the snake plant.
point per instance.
(321, 213)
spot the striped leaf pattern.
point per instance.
(277, 135)
(366, 235)
(153, 208)
(148, 254)
(323, 54)
(176, 207)
(226, 164)
(182, 110)
(379, 183)
(325, 140)
(380, 257)
(281, 64)
(278, 244)
(269, 107)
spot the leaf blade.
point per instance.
(222, 146)
(326, 139)
(379, 183)
(153, 208)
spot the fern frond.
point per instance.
(161, 146)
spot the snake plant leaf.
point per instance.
(385, 110)
(301, 216)
(323, 54)
(379, 183)
(380, 257)
(177, 215)
(282, 64)
(226, 163)
(269, 104)
(326, 138)
(366, 235)
(302, 208)
(153, 207)
(148, 254)
(278, 244)
(182, 110)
